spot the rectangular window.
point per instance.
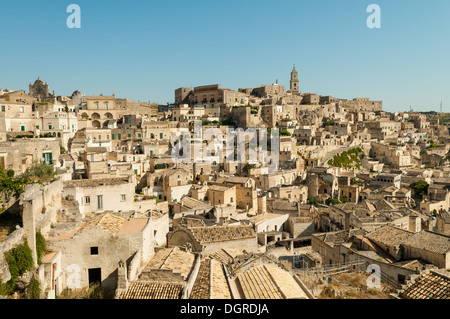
(100, 201)
(119, 136)
(161, 135)
(87, 200)
(49, 126)
(94, 250)
(112, 136)
(3, 108)
(37, 127)
(22, 128)
(48, 158)
(21, 109)
(123, 197)
(129, 136)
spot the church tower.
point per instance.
(294, 88)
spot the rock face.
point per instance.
(4, 270)
(23, 281)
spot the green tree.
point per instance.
(332, 201)
(33, 290)
(420, 188)
(40, 247)
(312, 201)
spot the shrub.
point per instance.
(312, 201)
(420, 187)
(40, 247)
(20, 260)
(332, 201)
(33, 290)
(344, 200)
(347, 159)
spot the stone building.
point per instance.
(20, 154)
(101, 195)
(432, 247)
(207, 240)
(96, 247)
(443, 223)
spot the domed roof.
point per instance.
(38, 81)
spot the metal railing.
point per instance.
(333, 269)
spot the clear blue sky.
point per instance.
(143, 50)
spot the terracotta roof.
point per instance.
(389, 236)
(223, 256)
(106, 221)
(152, 290)
(429, 285)
(301, 219)
(201, 288)
(264, 217)
(219, 188)
(190, 202)
(269, 282)
(233, 179)
(222, 233)
(429, 241)
(219, 285)
(173, 259)
(48, 258)
(96, 150)
(133, 226)
(211, 282)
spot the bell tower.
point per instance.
(294, 87)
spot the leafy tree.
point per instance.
(285, 133)
(332, 201)
(33, 290)
(432, 145)
(420, 187)
(312, 201)
(40, 247)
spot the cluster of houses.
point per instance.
(123, 214)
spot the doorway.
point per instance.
(95, 276)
